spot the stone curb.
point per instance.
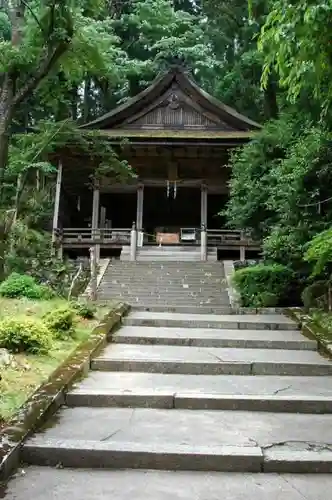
(103, 265)
(131, 455)
(233, 296)
(215, 367)
(220, 324)
(308, 329)
(158, 399)
(51, 394)
(73, 453)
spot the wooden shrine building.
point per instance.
(178, 140)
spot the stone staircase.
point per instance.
(226, 401)
(158, 285)
(168, 253)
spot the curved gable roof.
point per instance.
(209, 112)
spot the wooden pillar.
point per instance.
(95, 220)
(204, 206)
(139, 214)
(57, 208)
(102, 217)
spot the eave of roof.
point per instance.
(178, 134)
(135, 104)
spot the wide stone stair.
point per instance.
(171, 253)
(158, 285)
(191, 407)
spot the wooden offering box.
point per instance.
(168, 238)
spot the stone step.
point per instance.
(184, 439)
(268, 393)
(244, 321)
(166, 296)
(211, 361)
(174, 268)
(179, 292)
(201, 309)
(150, 305)
(47, 483)
(203, 265)
(254, 339)
(131, 455)
(107, 398)
(162, 302)
(165, 282)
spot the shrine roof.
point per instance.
(174, 106)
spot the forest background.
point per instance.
(64, 62)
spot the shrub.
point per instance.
(315, 295)
(263, 285)
(22, 285)
(61, 322)
(84, 309)
(24, 335)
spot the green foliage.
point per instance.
(24, 335)
(263, 285)
(84, 309)
(322, 320)
(18, 285)
(295, 41)
(315, 295)
(319, 252)
(252, 180)
(61, 322)
(5, 27)
(29, 253)
(280, 188)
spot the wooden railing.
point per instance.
(121, 236)
(230, 238)
(93, 236)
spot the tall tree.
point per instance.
(46, 37)
(234, 31)
(296, 43)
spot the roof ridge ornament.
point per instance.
(179, 63)
(173, 101)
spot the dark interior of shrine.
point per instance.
(167, 209)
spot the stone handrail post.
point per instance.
(242, 248)
(203, 243)
(133, 242)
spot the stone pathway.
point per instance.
(191, 407)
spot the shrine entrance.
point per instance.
(169, 208)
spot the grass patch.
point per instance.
(322, 323)
(28, 371)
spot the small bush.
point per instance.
(84, 310)
(263, 285)
(24, 335)
(61, 322)
(23, 285)
(315, 295)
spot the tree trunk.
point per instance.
(86, 100)
(4, 236)
(6, 116)
(270, 98)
